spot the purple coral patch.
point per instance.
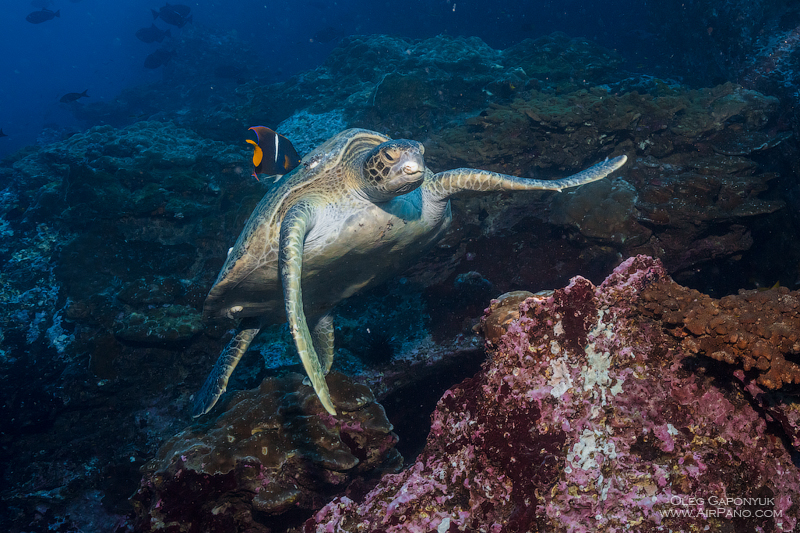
(585, 418)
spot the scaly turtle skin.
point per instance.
(357, 211)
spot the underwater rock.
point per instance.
(147, 169)
(732, 142)
(273, 451)
(588, 416)
(162, 325)
(558, 57)
(758, 331)
(606, 212)
(309, 130)
(151, 290)
(681, 199)
(407, 88)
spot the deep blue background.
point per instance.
(92, 45)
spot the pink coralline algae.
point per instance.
(587, 416)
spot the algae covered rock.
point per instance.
(697, 172)
(161, 325)
(273, 452)
(587, 417)
(557, 57)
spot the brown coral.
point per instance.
(273, 449)
(759, 330)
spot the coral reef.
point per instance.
(587, 417)
(754, 329)
(694, 179)
(104, 246)
(396, 85)
(272, 451)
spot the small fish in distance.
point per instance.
(152, 34)
(176, 14)
(273, 153)
(180, 9)
(37, 17)
(73, 97)
(158, 58)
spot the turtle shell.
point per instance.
(248, 283)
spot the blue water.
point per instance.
(92, 44)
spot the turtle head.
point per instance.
(393, 168)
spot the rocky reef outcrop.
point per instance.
(273, 451)
(695, 179)
(588, 416)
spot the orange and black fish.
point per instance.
(273, 153)
(73, 97)
(37, 17)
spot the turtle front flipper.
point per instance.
(217, 381)
(446, 184)
(322, 337)
(296, 223)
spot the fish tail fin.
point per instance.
(155, 14)
(84, 93)
(57, 13)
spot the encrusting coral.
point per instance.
(755, 329)
(585, 418)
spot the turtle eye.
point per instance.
(389, 157)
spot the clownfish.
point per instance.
(273, 154)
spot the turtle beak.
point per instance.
(413, 173)
(412, 168)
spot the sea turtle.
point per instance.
(355, 212)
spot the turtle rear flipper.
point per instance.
(217, 381)
(322, 338)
